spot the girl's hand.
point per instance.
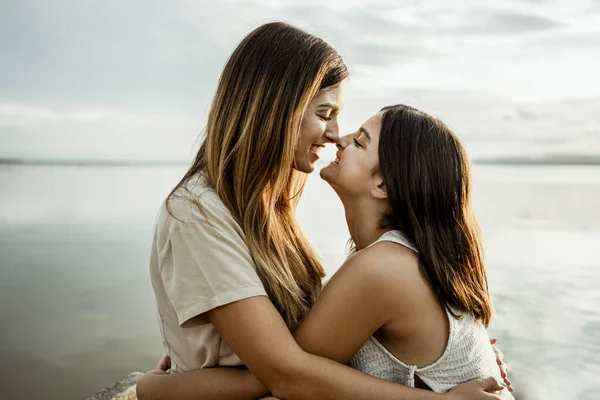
(163, 367)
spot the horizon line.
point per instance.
(550, 159)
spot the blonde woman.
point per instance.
(232, 272)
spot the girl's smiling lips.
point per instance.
(338, 156)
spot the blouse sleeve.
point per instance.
(210, 266)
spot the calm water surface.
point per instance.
(77, 309)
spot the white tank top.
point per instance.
(468, 354)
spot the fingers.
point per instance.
(164, 363)
(491, 384)
(504, 375)
(156, 372)
(508, 384)
(499, 354)
(503, 372)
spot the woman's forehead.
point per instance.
(332, 97)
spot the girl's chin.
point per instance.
(327, 173)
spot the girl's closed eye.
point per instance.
(357, 143)
(324, 117)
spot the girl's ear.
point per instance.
(379, 191)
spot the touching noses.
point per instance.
(343, 142)
(332, 133)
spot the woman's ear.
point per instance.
(380, 190)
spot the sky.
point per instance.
(124, 80)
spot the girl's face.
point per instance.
(319, 126)
(354, 172)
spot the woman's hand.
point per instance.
(503, 367)
(480, 389)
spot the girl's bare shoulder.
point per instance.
(387, 265)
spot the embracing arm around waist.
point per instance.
(339, 324)
(257, 333)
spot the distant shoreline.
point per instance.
(551, 160)
(91, 163)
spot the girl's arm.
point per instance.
(223, 383)
(257, 333)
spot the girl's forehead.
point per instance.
(373, 124)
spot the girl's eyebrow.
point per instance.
(367, 134)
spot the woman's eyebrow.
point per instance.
(328, 105)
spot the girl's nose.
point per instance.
(343, 141)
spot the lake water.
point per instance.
(77, 309)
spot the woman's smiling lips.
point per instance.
(315, 148)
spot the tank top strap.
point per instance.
(396, 237)
(411, 376)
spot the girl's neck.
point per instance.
(363, 219)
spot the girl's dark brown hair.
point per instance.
(427, 175)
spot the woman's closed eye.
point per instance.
(325, 118)
(357, 143)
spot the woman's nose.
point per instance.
(333, 131)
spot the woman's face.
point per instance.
(354, 170)
(319, 126)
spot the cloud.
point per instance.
(42, 132)
(509, 22)
(15, 114)
(142, 74)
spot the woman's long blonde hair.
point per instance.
(248, 154)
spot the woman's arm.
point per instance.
(256, 332)
(258, 335)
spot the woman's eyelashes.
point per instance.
(357, 143)
(325, 118)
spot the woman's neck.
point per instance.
(363, 219)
